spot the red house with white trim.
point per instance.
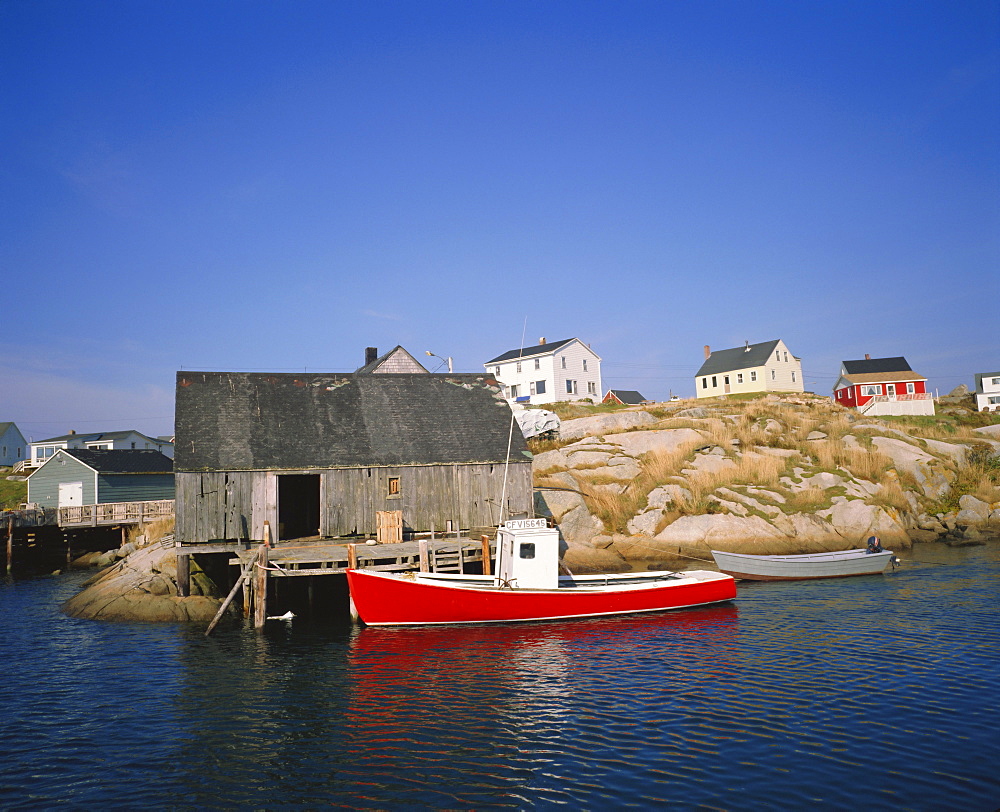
(878, 386)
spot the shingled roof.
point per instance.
(869, 366)
(628, 397)
(527, 352)
(123, 461)
(750, 355)
(234, 421)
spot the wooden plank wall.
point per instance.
(229, 505)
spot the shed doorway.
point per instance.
(298, 506)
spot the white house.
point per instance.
(100, 441)
(13, 446)
(765, 367)
(549, 372)
(987, 392)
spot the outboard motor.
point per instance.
(874, 545)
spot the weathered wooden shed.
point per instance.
(320, 454)
(80, 476)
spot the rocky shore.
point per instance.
(139, 582)
(662, 486)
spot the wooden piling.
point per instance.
(10, 543)
(485, 541)
(260, 581)
(425, 561)
(244, 576)
(352, 556)
(183, 576)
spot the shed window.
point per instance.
(394, 486)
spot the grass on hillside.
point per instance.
(12, 493)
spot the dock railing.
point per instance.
(115, 513)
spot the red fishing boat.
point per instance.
(527, 586)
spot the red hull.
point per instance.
(389, 600)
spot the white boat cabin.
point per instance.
(527, 555)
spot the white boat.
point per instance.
(799, 567)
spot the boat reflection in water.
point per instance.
(406, 680)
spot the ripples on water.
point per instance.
(877, 692)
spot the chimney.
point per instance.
(747, 347)
(708, 351)
(541, 340)
(72, 431)
(868, 357)
(371, 353)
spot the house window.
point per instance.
(777, 355)
(911, 388)
(890, 389)
(753, 375)
(563, 359)
(739, 377)
(993, 400)
(513, 391)
(773, 375)
(995, 381)
(571, 387)
(786, 357)
(714, 382)
(518, 366)
(704, 383)
(539, 387)
(871, 390)
(793, 377)
(133, 445)
(394, 486)
(531, 387)
(496, 371)
(591, 388)
(538, 363)
(584, 364)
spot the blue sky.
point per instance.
(265, 185)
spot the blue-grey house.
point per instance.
(78, 476)
(13, 446)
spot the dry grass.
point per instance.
(154, 531)
(863, 463)
(760, 470)
(808, 500)
(890, 495)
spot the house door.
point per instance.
(725, 384)
(70, 494)
(890, 391)
(298, 506)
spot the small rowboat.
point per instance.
(799, 567)
(527, 587)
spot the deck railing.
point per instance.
(115, 513)
(894, 399)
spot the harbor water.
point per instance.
(878, 692)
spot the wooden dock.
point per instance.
(322, 557)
